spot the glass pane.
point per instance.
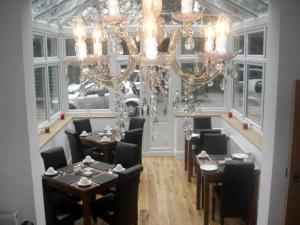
(86, 95)
(256, 43)
(239, 44)
(238, 89)
(209, 96)
(52, 47)
(39, 75)
(89, 45)
(38, 46)
(164, 45)
(132, 91)
(199, 46)
(70, 47)
(54, 89)
(255, 93)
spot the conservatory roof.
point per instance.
(62, 12)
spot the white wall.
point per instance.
(18, 125)
(283, 67)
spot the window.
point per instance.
(132, 91)
(256, 43)
(39, 75)
(239, 44)
(248, 86)
(238, 88)
(53, 89)
(209, 96)
(46, 76)
(52, 47)
(255, 93)
(199, 46)
(38, 46)
(86, 95)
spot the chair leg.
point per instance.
(222, 220)
(213, 208)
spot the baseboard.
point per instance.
(158, 153)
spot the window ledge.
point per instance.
(251, 135)
(57, 126)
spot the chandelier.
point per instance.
(153, 65)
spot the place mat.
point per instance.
(104, 178)
(67, 179)
(101, 166)
(67, 169)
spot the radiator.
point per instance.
(8, 218)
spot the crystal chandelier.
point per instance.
(154, 66)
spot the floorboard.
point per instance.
(165, 196)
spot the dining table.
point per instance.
(101, 176)
(189, 153)
(95, 139)
(206, 178)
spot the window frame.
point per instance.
(246, 59)
(46, 62)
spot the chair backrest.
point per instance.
(135, 136)
(215, 144)
(202, 132)
(136, 122)
(82, 125)
(202, 123)
(126, 200)
(75, 146)
(54, 157)
(237, 189)
(126, 154)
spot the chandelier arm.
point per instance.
(103, 60)
(209, 71)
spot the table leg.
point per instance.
(206, 202)
(105, 154)
(185, 154)
(198, 190)
(253, 209)
(202, 192)
(190, 159)
(86, 202)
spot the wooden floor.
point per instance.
(166, 198)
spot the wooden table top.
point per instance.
(95, 137)
(75, 188)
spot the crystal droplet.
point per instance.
(189, 43)
(210, 84)
(120, 50)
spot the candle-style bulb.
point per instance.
(222, 27)
(186, 6)
(79, 30)
(149, 26)
(98, 37)
(209, 34)
(113, 7)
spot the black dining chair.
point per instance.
(201, 123)
(136, 122)
(59, 211)
(121, 207)
(203, 132)
(236, 192)
(54, 157)
(82, 125)
(135, 136)
(78, 151)
(215, 144)
(126, 154)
